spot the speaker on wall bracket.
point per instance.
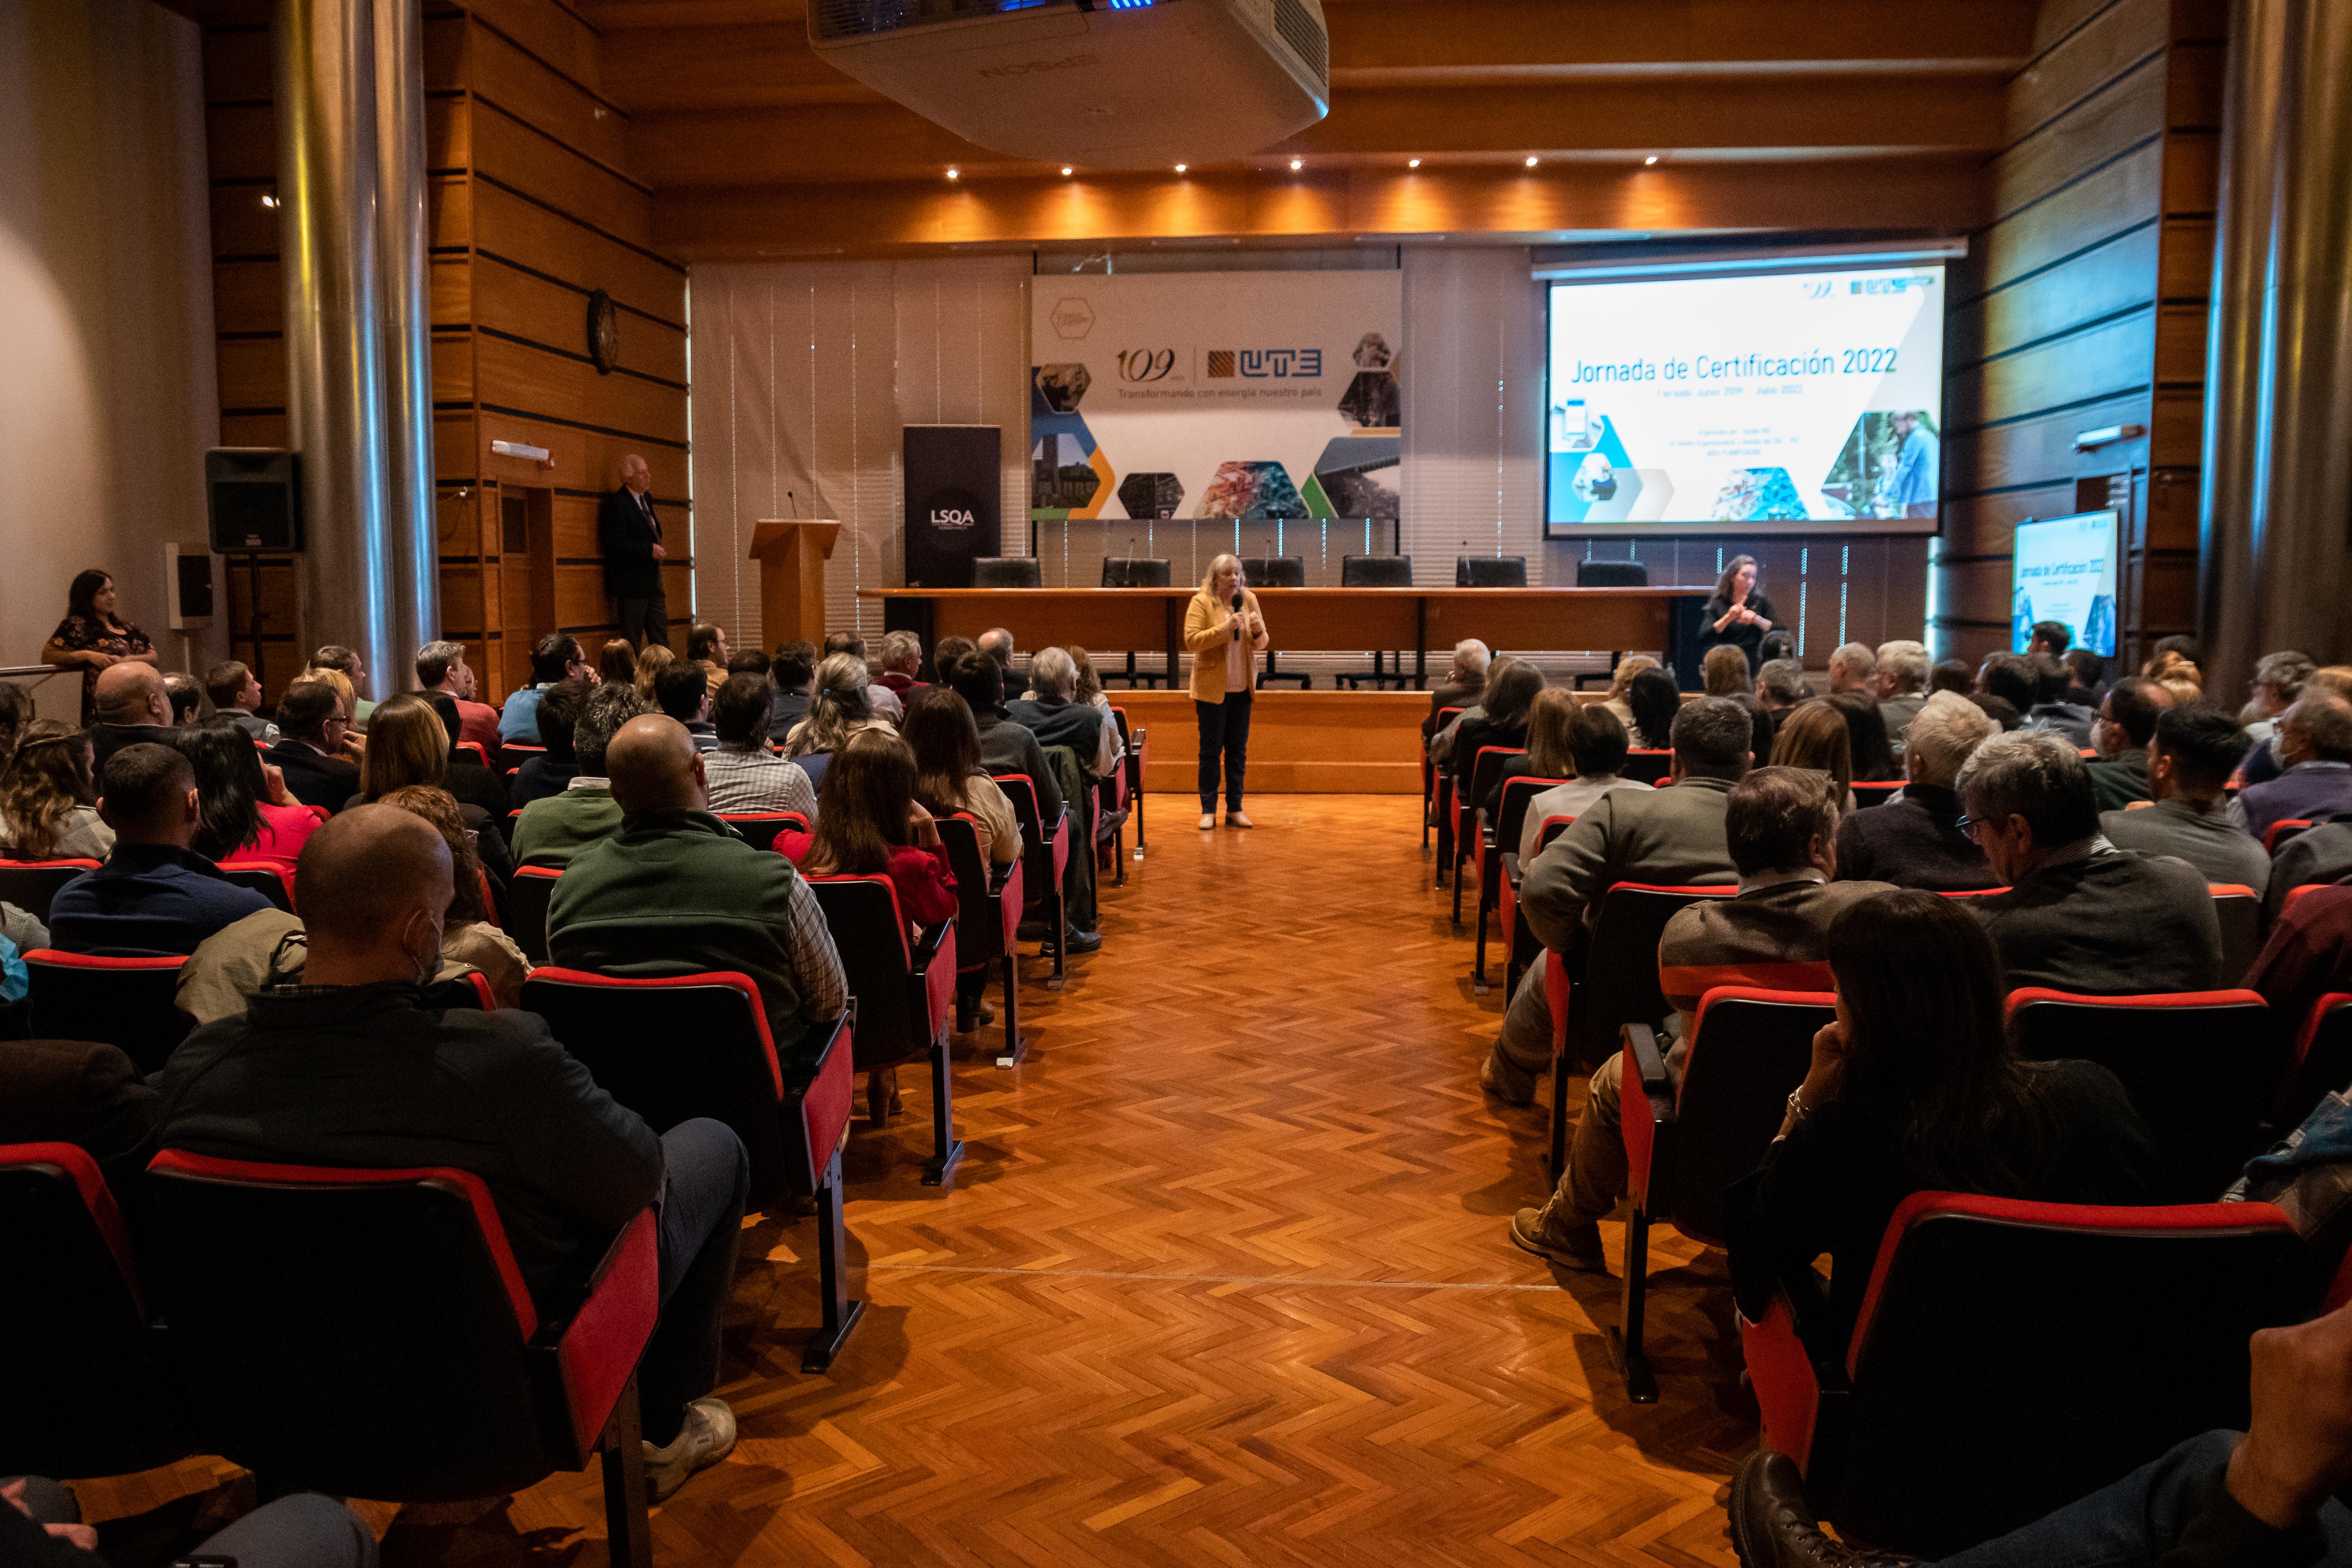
(253, 496)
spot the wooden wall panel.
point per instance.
(527, 380)
(452, 368)
(516, 229)
(252, 373)
(587, 460)
(248, 297)
(2102, 282)
(556, 316)
(533, 92)
(548, 29)
(529, 162)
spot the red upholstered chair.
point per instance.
(2202, 1066)
(2285, 828)
(1112, 795)
(1044, 856)
(126, 1002)
(1486, 770)
(904, 991)
(1649, 767)
(1520, 944)
(527, 898)
(759, 829)
(1749, 1048)
(513, 754)
(31, 884)
(2014, 1357)
(367, 1333)
(1430, 775)
(86, 1391)
(474, 750)
(1867, 795)
(988, 914)
(2321, 1063)
(1618, 986)
(2294, 893)
(679, 1047)
(1496, 839)
(273, 879)
(2239, 909)
(1135, 740)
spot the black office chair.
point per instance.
(1376, 572)
(1490, 571)
(1006, 572)
(1609, 575)
(1135, 572)
(1276, 571)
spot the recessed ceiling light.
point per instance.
(955, 174)
(1299, 162)
(1180, 168)
(1531, 163)
(1066, 168)
(1651, 159)
(1412, 163)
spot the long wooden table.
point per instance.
(1321, 620)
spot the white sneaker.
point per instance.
(706, 1437)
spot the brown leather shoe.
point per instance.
(1772, 1524)
(1579, 1247)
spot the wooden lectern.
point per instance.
(791, 553)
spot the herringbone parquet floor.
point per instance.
(1223, 1278)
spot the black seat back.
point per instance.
(31, 884)
(981, 929)
(1490, 571)
(130, 1002)
(356, 1333)
(759, 829)
(1135, 572)
(870, 934)
(270, 878)
(1006, 572)
(1612, 574)
(2322, 1064)
(1649, 767)
(1621, 966)
(1376, 570)
(1748, 1047)
(674, 1049)
(527, 898)
(2016, 1357)
(1274, 570)
(1511, 813)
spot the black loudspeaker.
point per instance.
(253, 496)
(954, 501)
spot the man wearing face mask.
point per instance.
(355, 1067)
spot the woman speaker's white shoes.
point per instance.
(1208, 821)
(1235, 819)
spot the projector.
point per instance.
(1107, 83)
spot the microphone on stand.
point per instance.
(796, 503)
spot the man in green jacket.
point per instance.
(552, 830)
(675, 890)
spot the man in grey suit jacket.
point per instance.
(1672, 836)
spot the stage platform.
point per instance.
(1301, 743)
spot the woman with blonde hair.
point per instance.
(1224, 631)
(838, 709)
(47, 806)
(470, 933)
(1621, 678)
(410, 748)
(651, 662)
(1547, 756)
(1814, 735)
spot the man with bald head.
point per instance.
(355, 1067)
(677, 891)
(631, 536)
(133, 705)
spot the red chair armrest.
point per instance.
(933, 967)
(1009, 895)
(1558, 989)
(1788, 1389)
(1057, 839)
(830, 1099)
(1645, 1108)
(596, 1353)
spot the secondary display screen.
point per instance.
(1779, 402)
(2064, 570)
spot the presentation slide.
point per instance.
(1757, 403)
(2065, 571)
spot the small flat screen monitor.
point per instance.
(2065, 571)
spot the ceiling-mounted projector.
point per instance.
(1109, 83)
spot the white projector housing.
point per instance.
(1107, 83)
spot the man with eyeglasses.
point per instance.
(309, 751)
(2080, 915)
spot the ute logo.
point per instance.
(1030, 68)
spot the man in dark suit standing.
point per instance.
(631, 537)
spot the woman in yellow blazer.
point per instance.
(1226, 632)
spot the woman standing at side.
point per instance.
(1738, 615)
(91, 637)
(1225, 633)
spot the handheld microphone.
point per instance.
(1238, 610)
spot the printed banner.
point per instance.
(2064, 569)
(1262, 395)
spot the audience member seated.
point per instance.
(2315, 741)
(247, 812)
(346, 662)
(997, 644)
(706, 649)
(1951, 675)
(652, 660)
(1780, 687)
(2264, 763)
(1056, 718)
(549, 832)
(1780, 826)
(2277, 682)
(2266, 1499)
(682, 691)
(154, 894)
(49, 807)
(309, 751)
(19, 934)
(1621, 685)
(1902, 691)
(1596, 750)
(441, 668)
(2086, 679)
(132, 706)
(2308, 955)
(1853, 668)
(1815, 736)
(2010, 679)
(2178, 675)
(352, 1067)
(794, 675)
(616, 664)
(1914, 1088)
(1871, 753)
(842, 707)
(880, 701)
(1670, 837)
(1655, 703)
(2190, 758)
(1499, 720)
(2318, 855)
(1722, 674)
(1005, 747)
(744, 777)
(677, 891)
(901, 661)
(1546, 755)
(554, 657)
(558, 710)
(1091, 693)
(750, 661)
(186, 697)
(1464, 680)
(236, 695)
(78, 1092)
(353, 745)
(410, 745)
(2126, 725)
(2081, 915)
(470, 934)
(951, 779)
(1915, 839)
(40, 1527)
